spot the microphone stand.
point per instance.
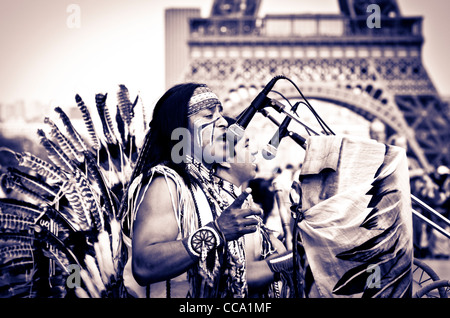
(293, 135)
(282, 109)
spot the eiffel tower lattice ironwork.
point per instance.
(375, 71)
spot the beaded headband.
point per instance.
(202, 98)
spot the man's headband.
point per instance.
(202, 98)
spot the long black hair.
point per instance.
(170, 113)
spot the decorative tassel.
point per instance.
(209, 265)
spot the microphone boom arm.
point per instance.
(282, 109)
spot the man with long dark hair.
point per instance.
(187, 223)
(175, 219)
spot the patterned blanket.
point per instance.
(357, 226)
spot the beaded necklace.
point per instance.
(207, 180)
(236, 262)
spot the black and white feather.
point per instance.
(60, 217)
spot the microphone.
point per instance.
(293, 135)
(260, 101)
(270, 151)
(298, 139)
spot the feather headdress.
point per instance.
(60, 232)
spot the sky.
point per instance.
(46, 55)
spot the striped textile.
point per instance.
(357, 226)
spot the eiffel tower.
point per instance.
(372, 67)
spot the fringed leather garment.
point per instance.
(221, 273)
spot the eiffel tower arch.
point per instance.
(343, 59)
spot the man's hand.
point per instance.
(235, 221)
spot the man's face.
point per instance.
(243, 163)
(207, 128)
